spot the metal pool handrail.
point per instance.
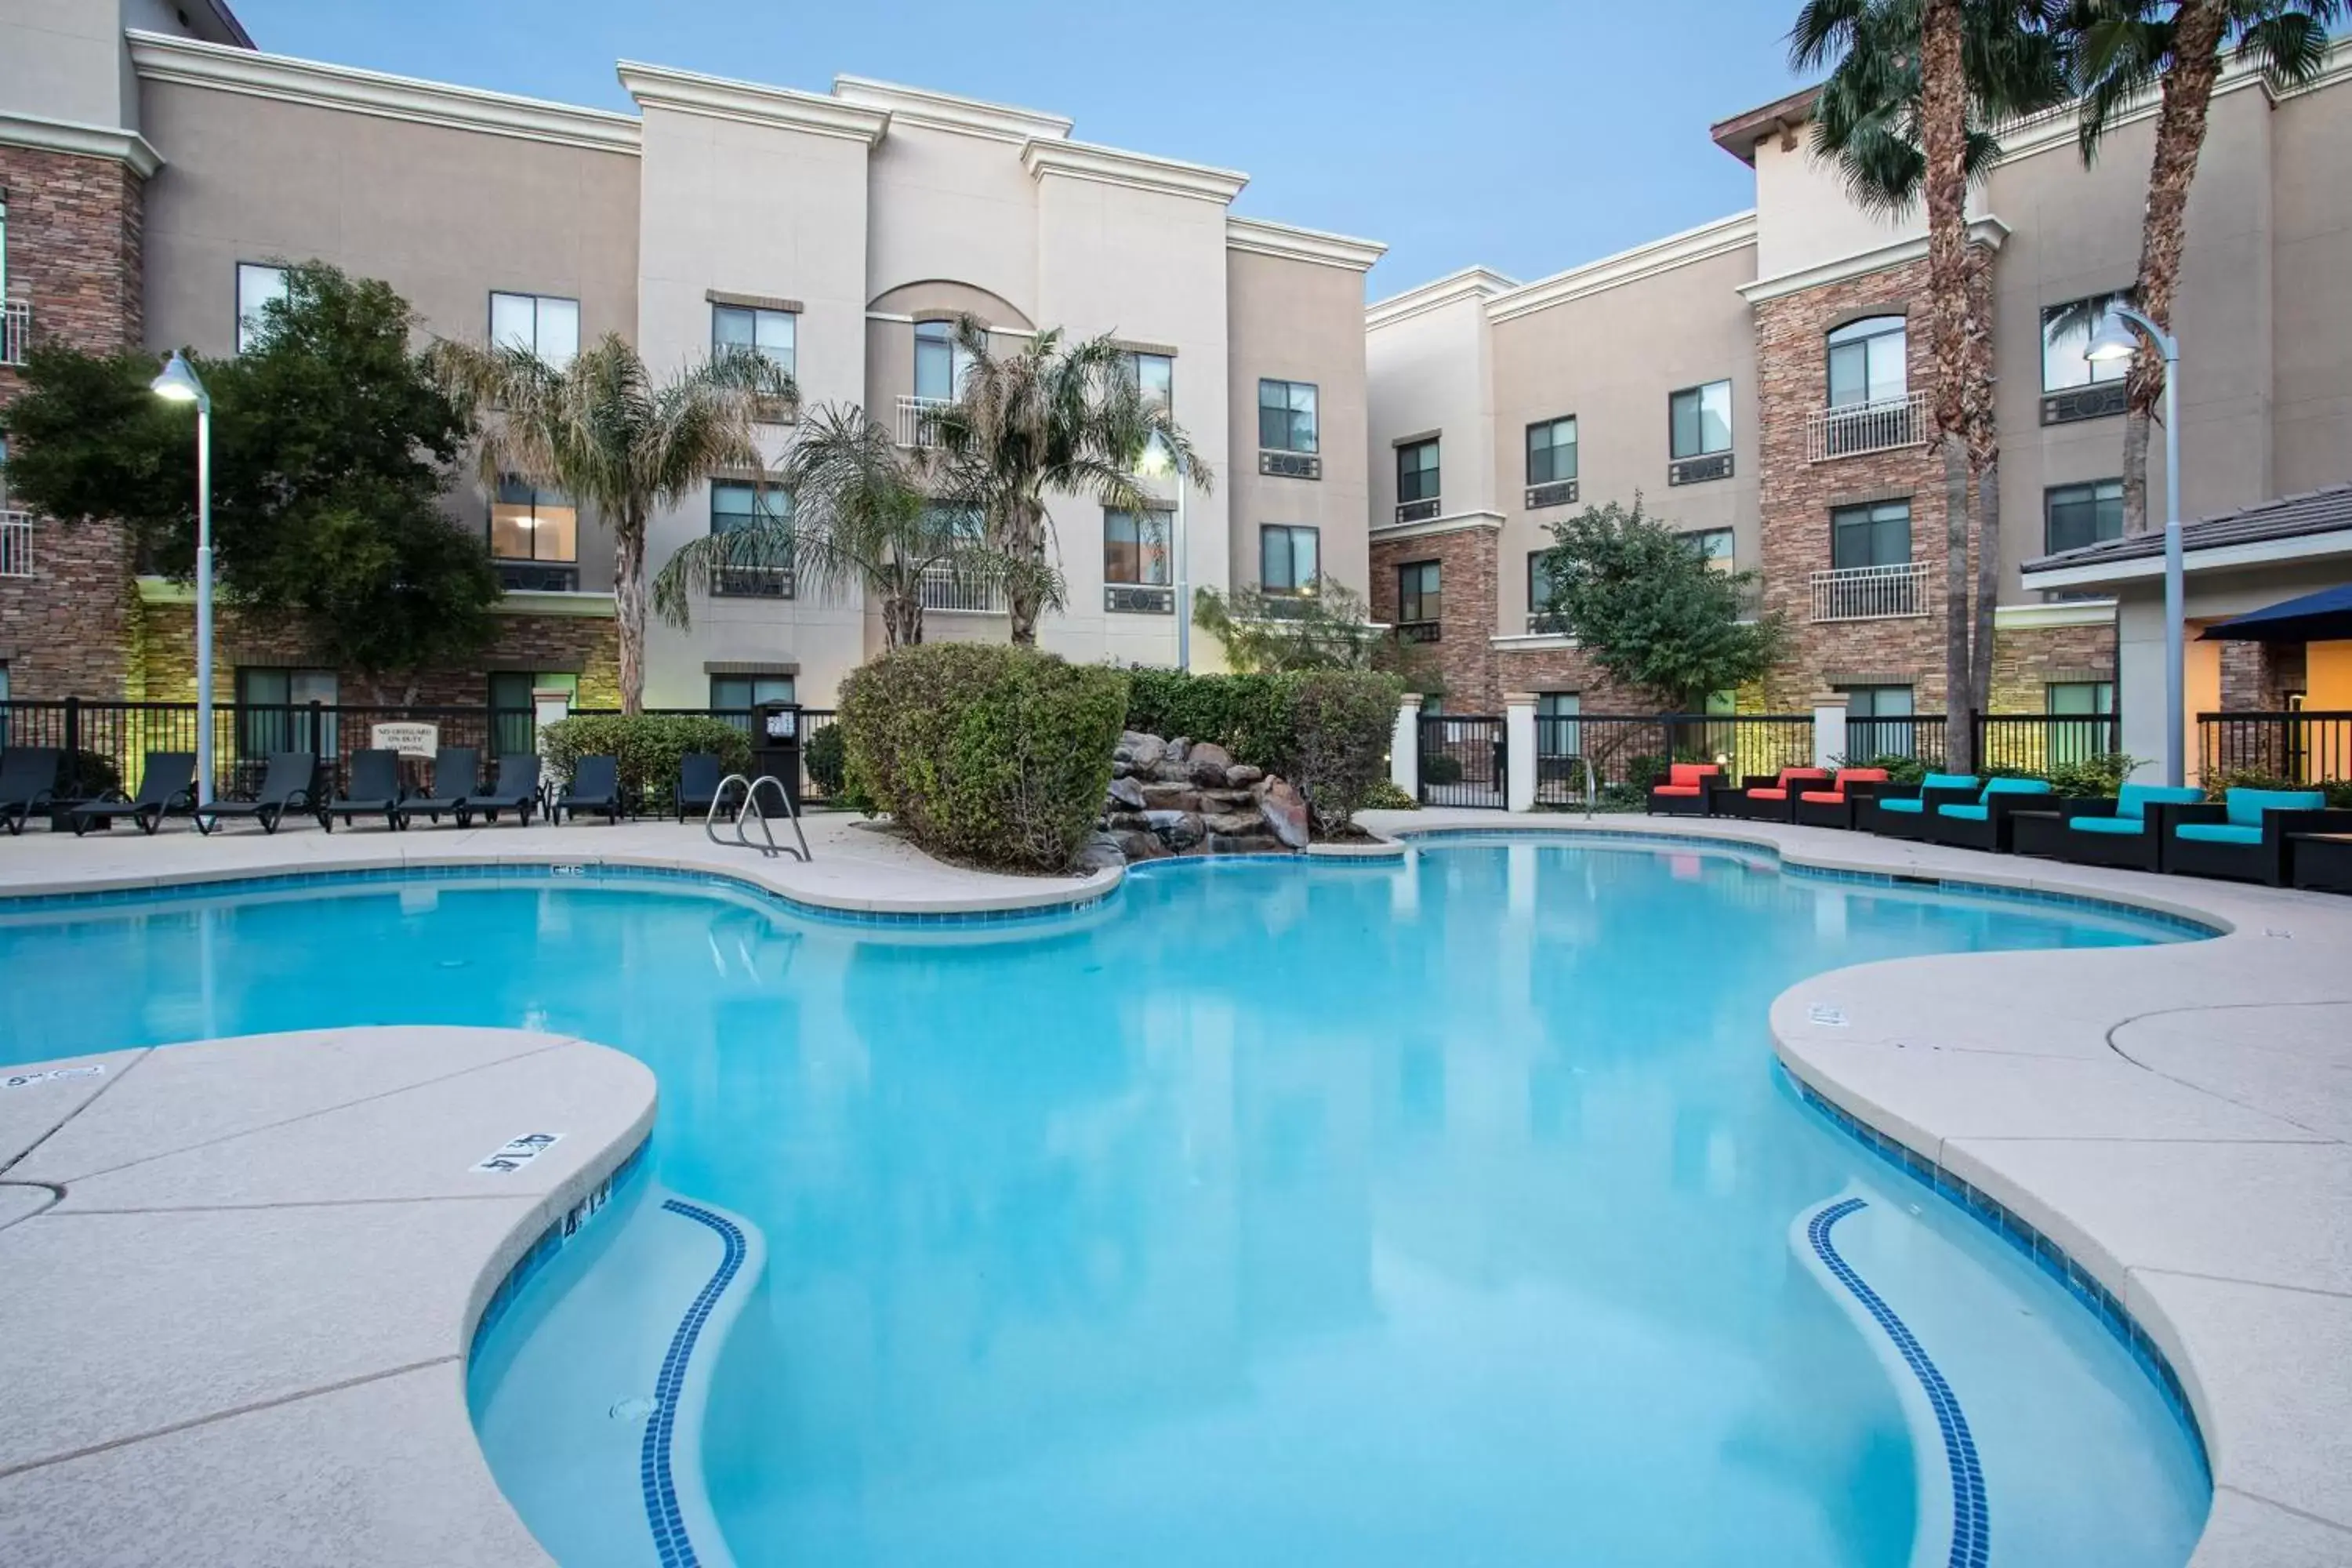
(751, 807)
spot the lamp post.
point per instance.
(178, 384)
(1157, 460)
(2116, 342)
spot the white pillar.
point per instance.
(548, 705)
(1404, 746)
(1828, 729)
(1519, 749)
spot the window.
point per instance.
(941, 362)
(737, 505)
(1866, 362)
(528, 524)
(1551, 451)
(273, 711)
(1135, 548)
(2076, 515)
(2083, 697)
(1878, 534)
(1556, 731)
(1288, 558)
(2066, 331)
(1700, 419)
(740, 693)
(1417, 471)
(1716, 546)
(257, 286)
(1417, 593)
(1878, 723)
(1542, 593)
(1156, 375)
(543, 324)
(771, 334)
(1285, 415)
(2093, 701)
(514, 712)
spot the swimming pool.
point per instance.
(1268, 1213)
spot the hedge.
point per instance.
(647, 745)
(1249, 715)
(1341, 723)
(995, 755)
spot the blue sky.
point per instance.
(1525, 137)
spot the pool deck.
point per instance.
(254, 1266)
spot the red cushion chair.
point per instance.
(1836, 806)
(1768, 799)
(1689, 789)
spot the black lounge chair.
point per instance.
(28, 782)
(2127, 831)
(595, 788)
(1985, 822)
(698, 777)
(456, 774)
(515, 791)
(2250, 835)
(1901, 811)
(374, 787)
(290, 785)
(168, 780)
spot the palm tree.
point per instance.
(2124, 47)
(858, 518)
(1906, 114)
(1050, 417)
(602, 431)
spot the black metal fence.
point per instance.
(1909, 737)
(2301, 746)
(1632, 751)
(2037, 742)
(1462, 760)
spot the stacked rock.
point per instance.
(1189, 797)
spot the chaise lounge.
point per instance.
(375, 789)
(456, 774)
(698, 777)
(290, 785)
(1841, 804)
(1769, 797)
(515, 791)
(2127, 832)
(1690, 791)
(595, 789)
(1984, 822)
(168, 780)
(1901, 811)
(28, 782)
(2249, 836)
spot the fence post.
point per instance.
(1404, 746)
(73, 745)
(548, 705)
(1828, 729)
(1519, 751)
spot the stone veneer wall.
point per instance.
(75, 254)
(1467, 589)
(2258, 677)
(2025, 662)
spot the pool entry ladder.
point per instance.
(752, 811)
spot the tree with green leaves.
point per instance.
(1054, 416)
(332, 454)
(604, 431)
(1651, 609)
(851, 513)
(2124, 49)
(1908, 114)
(1323, 626)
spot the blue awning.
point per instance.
(2323, 617)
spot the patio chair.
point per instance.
(2127, 831)
(28, 782)
(698, 777)
(595, 788)
(2249, 835)
(290, 785)
(1984, 822)
(168, 780)
(456, 773)
(516, 790)
(1842, 802)
(1769, 797)
(1689, 790)
(1901, 811)
(374, 787)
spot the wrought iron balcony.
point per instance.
(1871, 593)
(912, 431)
(16, 331)
(942, 589)
(537, 577)
(15, 543)
(1858, 427)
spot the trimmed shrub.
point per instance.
(826, 755)
(995, 755)
(2219, 784)
(1441, 768)
(646, 745)
(1384, 796)
(1340, 723)
(1249, 715)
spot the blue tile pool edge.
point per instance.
(2036, 1249)
(663, 1515)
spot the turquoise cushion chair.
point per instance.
(1910, 805)
(2132, 802)
(2245, 807)
(1982, 807)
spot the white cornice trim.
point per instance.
(1135, 170)
(2137, 568)
(1987, 231)
(71, 136)
(1707, 241)
(946, 111)
(185, 63)
(1469, 283)
(750, 102)
(1259, 237)
(2064, 613)
(1451, 522)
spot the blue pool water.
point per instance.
(1265, 1214)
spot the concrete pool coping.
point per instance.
(2180, 1118)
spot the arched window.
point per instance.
(1866, 362)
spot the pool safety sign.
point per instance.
(408, 740)
(50, 1075)
(516, 1153)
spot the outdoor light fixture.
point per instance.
(178, 384)
(2116, 340)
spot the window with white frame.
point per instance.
(1154, 375)
(1551, 451)
(1285, 415)
(1867, 362)
(258, 284)
(1289, 558)
(755, 328)
(547, 325)
(941, 362)
(1135, 547)
(1699, 420)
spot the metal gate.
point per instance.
(1462, 760)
